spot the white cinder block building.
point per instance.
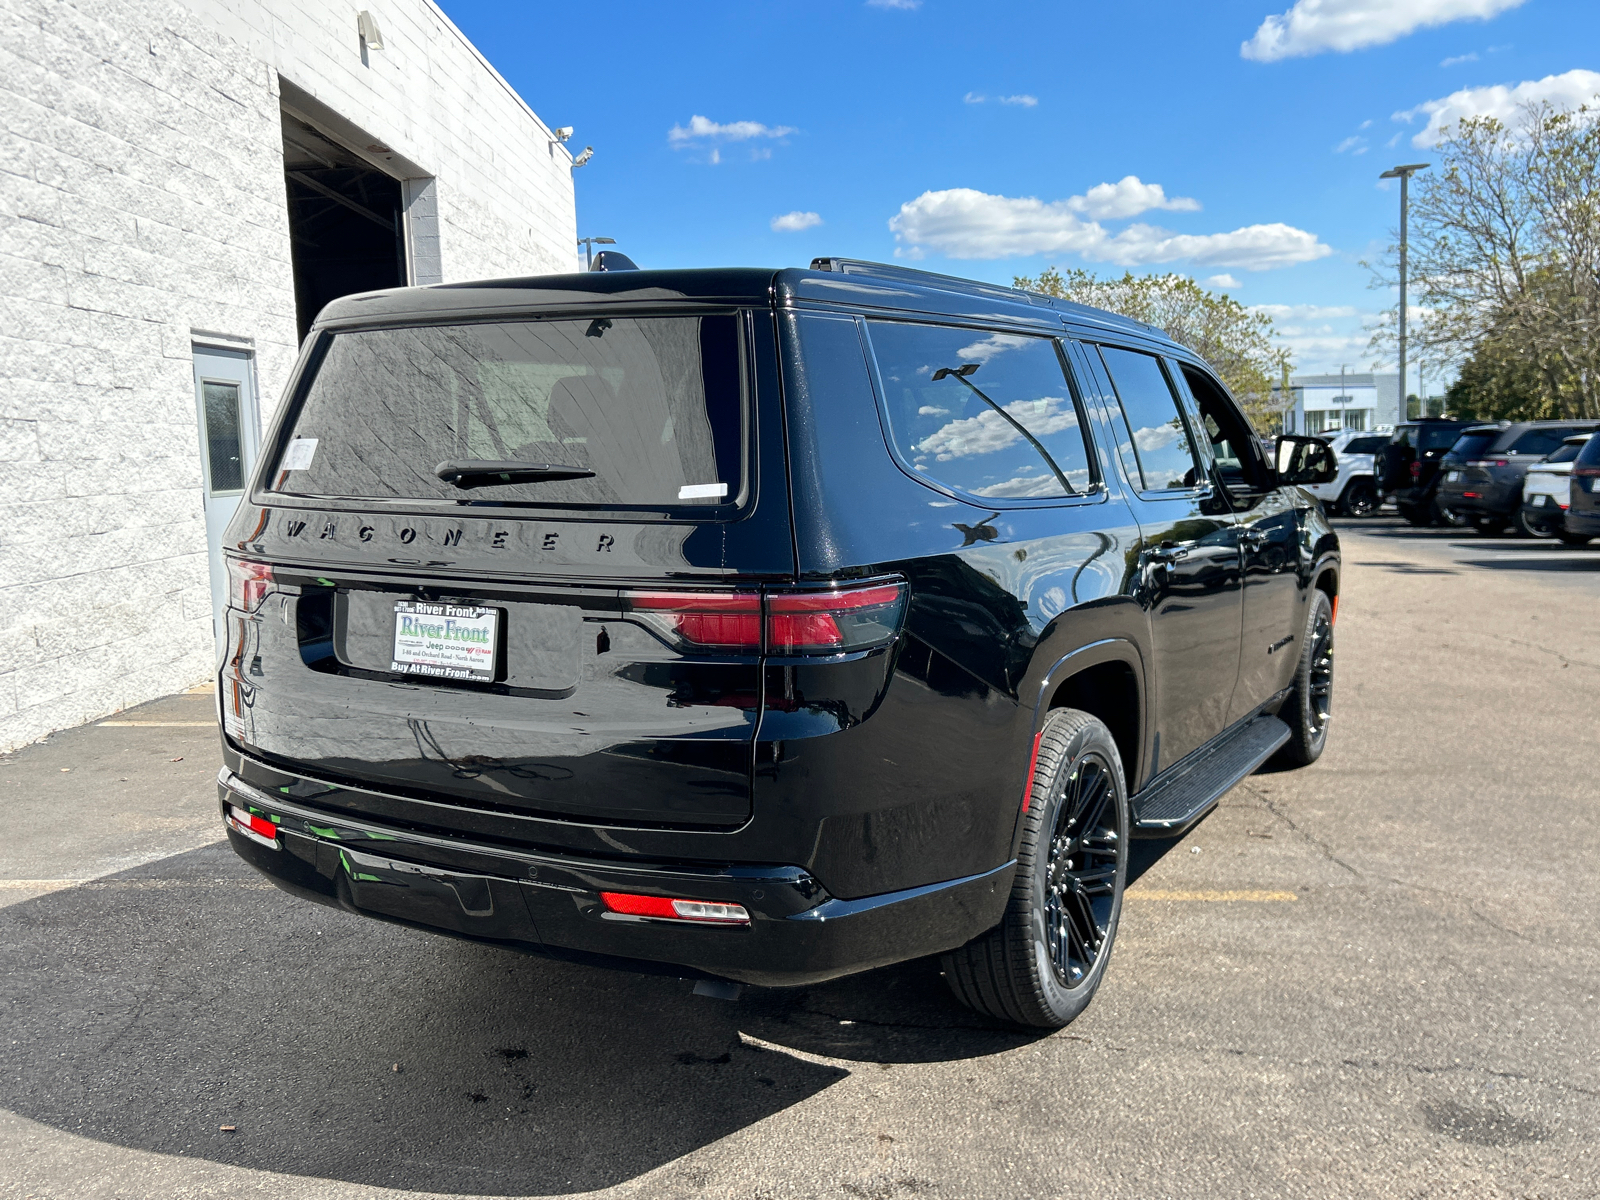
(182, 187)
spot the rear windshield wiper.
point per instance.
(487, 472)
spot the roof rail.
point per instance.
(860, 266)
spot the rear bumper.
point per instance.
(1494, 499)
(1586, 523)
(550, 903)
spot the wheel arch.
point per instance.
(1105, 679)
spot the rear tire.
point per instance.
(1488, 526)
(1532, 528)
(1573, 539)
(1041, 965)
(1309, 709)
(1422, 518)
(1360, 499)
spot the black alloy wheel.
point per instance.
(1360, 499)
(1041, 965)
(1309, 709)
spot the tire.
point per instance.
(1309, 709)
(1573, 539)
(1531, 528)
(1360, 499)
(1422, 518)
(1042, 964)
(1488, 526)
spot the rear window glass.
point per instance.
(1160, 451)
(1470, 444)
(1589, 456)
(1404, 436)
(1368, 445)
(652, 406)
(1440, 438)
(989, 414)
(1566, 452)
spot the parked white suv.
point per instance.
(1353, 492)
(1545, 489)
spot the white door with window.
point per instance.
(225, 394)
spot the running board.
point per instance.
(1181, 797)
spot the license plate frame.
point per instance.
(446, 641)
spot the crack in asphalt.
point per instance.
(1267, 803)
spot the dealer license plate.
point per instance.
(445, 641)
(1452, 476)
(1540, 501)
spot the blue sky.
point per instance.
(974, 138)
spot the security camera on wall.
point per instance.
(563, 133)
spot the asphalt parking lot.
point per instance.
(1375, 977)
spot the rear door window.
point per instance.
(1369, 445)
(1541, 441)
(985, 413)
(1157, 454)
(654, 407)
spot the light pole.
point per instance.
(589, 244)
(1403, 174)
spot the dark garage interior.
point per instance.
(345, 224)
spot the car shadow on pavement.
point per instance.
(157, 1008)
(1587, 565)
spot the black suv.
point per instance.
(1482, 475)
(761, 626)
(1583, 511)
(1407, 469)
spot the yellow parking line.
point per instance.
(1202, 897)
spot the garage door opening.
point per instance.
(346, 224)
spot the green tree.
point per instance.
(1505, 261)
(1235, 341)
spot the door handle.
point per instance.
(1168, 552)
(1254, 537)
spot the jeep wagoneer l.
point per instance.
(761, 626)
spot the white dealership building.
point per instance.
(1328, 403)
(183, 185)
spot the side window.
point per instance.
(1233, 444)
(989, 414)
(1158, 451)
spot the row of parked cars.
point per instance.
(1541, 478)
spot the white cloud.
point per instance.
(1455, 60)
(989, 431)
(1312, 26)
(1021, 99)
(904, 5)
(991, 346)
(1501, 101)
(794, 222)
(1223, 281)
(1128, 197)
(966, 223)
(1307, 312)
(703, 129)
(1354, 143)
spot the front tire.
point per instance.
(1309, 709)
(1041, 965)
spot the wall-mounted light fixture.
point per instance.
(367, 27)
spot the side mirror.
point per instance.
(1305, 460)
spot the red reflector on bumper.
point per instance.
(257, 829)
(706, 912)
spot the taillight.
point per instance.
(835, 621)
(1488, 462)
(725, 621)
(664, 908)
(1586, 472)
(1416, 470)
(257, 829)
(248, 583)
